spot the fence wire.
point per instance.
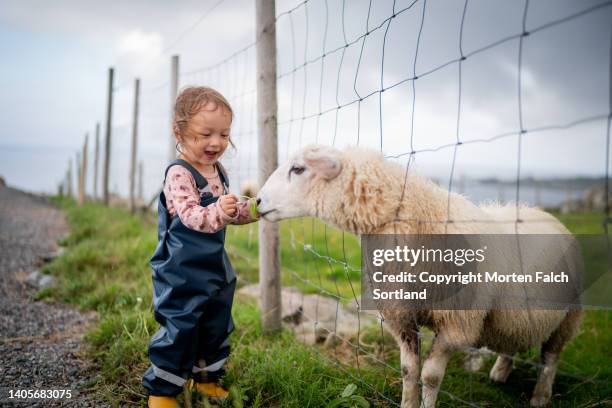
(420, 7)
(334, 277)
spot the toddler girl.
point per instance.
(193, 279)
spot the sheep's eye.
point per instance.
(296, 170)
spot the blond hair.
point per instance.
(191, 100)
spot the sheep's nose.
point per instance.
(258, 201)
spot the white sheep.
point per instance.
(358, 191)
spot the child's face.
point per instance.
(206, 135)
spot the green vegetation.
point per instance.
(313, 255)
(105, 268)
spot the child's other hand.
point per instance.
(228, 204)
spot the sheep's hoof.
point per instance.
(499, 376)
(501, 369)
(539, 401)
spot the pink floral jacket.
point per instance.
(183, 198)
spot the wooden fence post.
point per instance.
(269, 255)
(134, 144)
(95, 170)
(107, 142)
(83, 174)
(69, 179)
(77, 164)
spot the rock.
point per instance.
(314, 318)
(46, 281)
(33, 278)
(48, 257)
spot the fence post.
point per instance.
(69, 179)
(83, 173)
(107, 142)
(77, 164)
(269, 255)
(134, 144)
(96, 152)
(174, 84)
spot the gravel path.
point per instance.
(39, 342)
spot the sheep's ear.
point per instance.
(325, 163)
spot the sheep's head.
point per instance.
(285, 193)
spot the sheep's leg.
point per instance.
(543, 388)
(409, 356)
(501, 369)
(433, 370)
(551, 351)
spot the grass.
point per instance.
(310, 252)
(105, 268)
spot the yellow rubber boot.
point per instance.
(162, 402)
(212, 390)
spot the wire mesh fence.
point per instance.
(385, 75)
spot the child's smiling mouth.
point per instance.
(210, 155)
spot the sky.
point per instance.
(54, 71)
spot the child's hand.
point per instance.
(228, 204)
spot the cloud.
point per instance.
(133, 47)
(61, 53)
(138, 42)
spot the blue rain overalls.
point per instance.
(193, 290)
